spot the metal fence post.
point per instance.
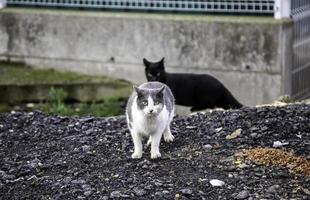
(2, 4)
(282, 9)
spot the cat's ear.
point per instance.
(137, 89)
(162, 60)
(162, 88)
(161, 91)
(146, 62)
(161, 63)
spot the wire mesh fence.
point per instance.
(219, 6)
(300, 12)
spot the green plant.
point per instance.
(56, 103)
(110, 107)
(4, 107)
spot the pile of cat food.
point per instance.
(215, 155)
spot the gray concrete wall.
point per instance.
(245, 53)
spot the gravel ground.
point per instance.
(54, 157)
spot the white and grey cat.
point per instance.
(149, 112)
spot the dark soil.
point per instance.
(54, 157)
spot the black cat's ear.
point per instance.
(162, 60)
(146, 62)
(161, 63)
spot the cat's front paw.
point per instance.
(168, 138)
(155, 155)
(136, 155)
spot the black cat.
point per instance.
(199, 91)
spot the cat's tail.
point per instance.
(230, 102)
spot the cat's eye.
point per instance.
(144, 103)
(156, 102)
(158, 74)
(150, 75)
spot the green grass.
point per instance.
(19, 74)
(56, 105)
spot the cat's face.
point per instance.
(150, 101)
(154, 71)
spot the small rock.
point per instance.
(158, 184)
(235, 134)
(87, 193)
(139, 192)
(186, 191)
(202, 179)
(33, 177)
(243, 166)
(104, 198)
(279, 144)
(166, 192)
(217, 183)
(242, 195)
(78, 181)
(207, 146)
(125, 196)
(86, 187)
(305, 191)
(87, 119)
(85, 148)
(148, 187)
(5, 176)
(115, 194)
(159, 194)
(67, 180)
(273, 189)
(218, 129)
(253, 135)
(89, 131)
(34, 163)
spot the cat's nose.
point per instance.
(151, 111)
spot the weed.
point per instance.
(56, 105)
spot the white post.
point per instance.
(282, 9)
